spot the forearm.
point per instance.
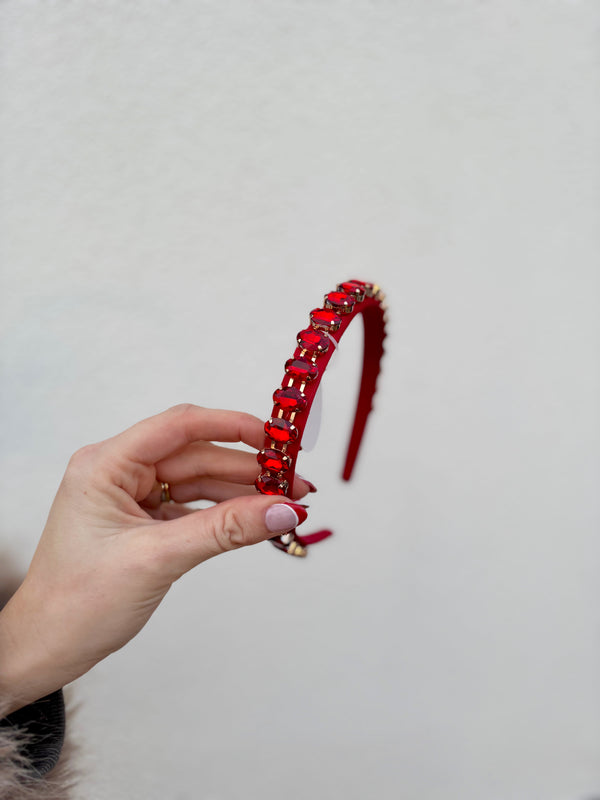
(28, 671)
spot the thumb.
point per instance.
(198, 536)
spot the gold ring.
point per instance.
(165, 493)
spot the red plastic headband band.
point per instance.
(303, 373)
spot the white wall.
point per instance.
(181, 182)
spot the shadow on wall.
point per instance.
(10, 578)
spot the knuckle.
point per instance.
(182, 409)
(83, 457)
(246, 417)
(250, 420)
(231, 532)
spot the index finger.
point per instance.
(160, 436)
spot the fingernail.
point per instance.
(311, 486)
(284, 517)
(300, 510)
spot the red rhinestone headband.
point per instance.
(303, 373)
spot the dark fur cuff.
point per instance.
(43, 722)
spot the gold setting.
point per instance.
(332, 328)
(294, 548)
(358, 292)
(346, 309)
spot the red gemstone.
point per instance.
(291, 399)
(312, 340)
(301, 368)
(281, 430)
(339, 301)
(274, 460)
(322, 318)
(368, 287)
(353, 288)
(269, 484)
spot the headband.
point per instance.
(303, 372)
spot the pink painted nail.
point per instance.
(284, 517)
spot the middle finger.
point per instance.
(204, 459)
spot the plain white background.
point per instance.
(181, 183)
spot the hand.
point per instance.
(110, 550)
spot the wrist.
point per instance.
(28, 671)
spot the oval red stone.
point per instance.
(274, 460)
(281, 430)
(339, 301)
(354, 288)
(323, 318)
(301, 368)
(313, 341)
(364, 284)
(291, 399)
(269, 484)
(368, 287)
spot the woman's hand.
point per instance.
(111, 550)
